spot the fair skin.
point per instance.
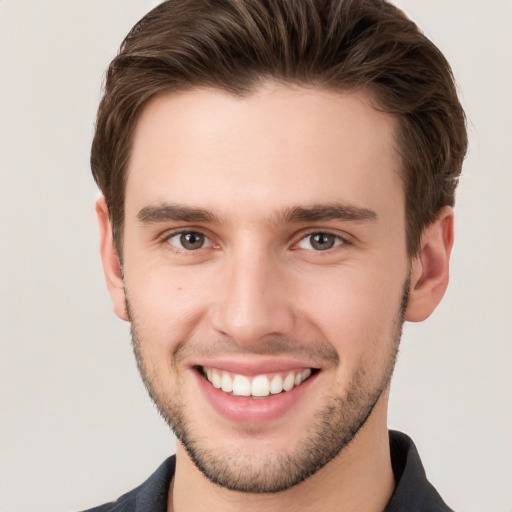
(264, 236)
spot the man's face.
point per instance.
(264, 243)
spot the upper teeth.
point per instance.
(259, 385)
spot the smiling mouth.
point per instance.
(257, 386)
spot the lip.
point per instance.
(257, 367)
(247, 410)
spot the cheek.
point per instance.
(356, 312)
(165, 305)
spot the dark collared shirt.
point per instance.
(413, 492)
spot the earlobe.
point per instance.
(110, 260)
(430, 268)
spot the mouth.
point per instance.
(256, 386)
(249, 392)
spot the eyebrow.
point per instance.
(298, 214)
(175, 212)
(334, 211)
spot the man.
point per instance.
(278, 181)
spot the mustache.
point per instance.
(318, 352)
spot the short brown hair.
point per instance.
(342, 45)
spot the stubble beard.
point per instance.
(335, 427)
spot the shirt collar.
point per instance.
(413, 492)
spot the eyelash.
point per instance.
(340, 241)
(166, 240)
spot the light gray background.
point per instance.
(77, 427)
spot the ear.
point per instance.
(430, 268)
(111, 262)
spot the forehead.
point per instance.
(281, 146)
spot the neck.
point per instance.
(359, 478)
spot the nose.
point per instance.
(252, 302)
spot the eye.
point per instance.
(189, 240)
(320, 241)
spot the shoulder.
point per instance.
(149, 496)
